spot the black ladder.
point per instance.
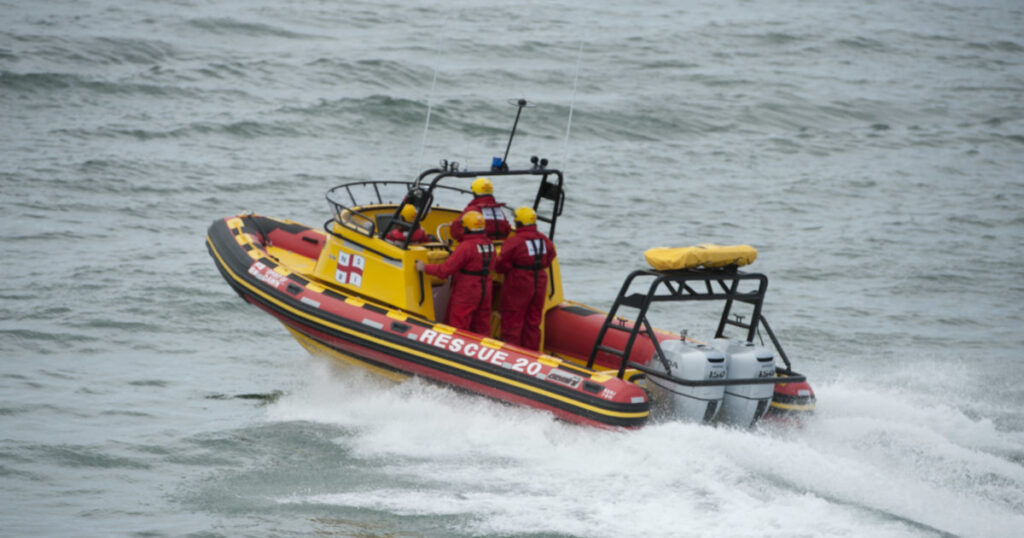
(641, 326)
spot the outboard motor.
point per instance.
(692, 362)
(743, 405)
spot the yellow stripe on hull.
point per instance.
(792, 407)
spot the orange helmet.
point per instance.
(473, 221)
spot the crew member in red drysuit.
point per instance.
(525, 258)
(397, 235)
(497, 226)
(469, 306)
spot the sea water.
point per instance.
(871, 151)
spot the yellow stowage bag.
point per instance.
(706, 254)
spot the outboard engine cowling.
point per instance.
(692, 362)
(743, 405)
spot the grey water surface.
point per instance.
(873, 152)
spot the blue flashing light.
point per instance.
(496, 162)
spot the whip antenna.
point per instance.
(430, 101)
(426, 126)
(572, 102)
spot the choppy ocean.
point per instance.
(873, 152)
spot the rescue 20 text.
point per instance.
(478, 351)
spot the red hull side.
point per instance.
(571, 330)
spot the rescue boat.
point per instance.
(344, 291)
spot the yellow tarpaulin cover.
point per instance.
(706, 254)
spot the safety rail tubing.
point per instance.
(340, 206)
(678, 284)
(547, 190)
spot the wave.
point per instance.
(79, 456)
(88, 50)
(372, 72)
(1015, 138)
(1001, 46)
(24, 336)
(230, 26)
(380, 108)
(245, 129)
(35, 83)
(863, 43)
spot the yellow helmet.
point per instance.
(408, 213)
(526, 216)
(482, 185)
(473, 221)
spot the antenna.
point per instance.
(572, 102)
(426, 126)
(430, 101)
(503, 164)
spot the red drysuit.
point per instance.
(398, 235)
(469, 306)
(524, 259)
(497, 226)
